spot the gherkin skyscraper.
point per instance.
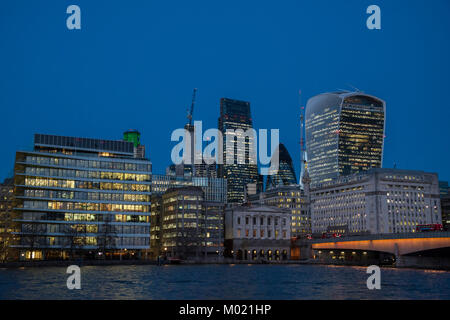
(286, 174)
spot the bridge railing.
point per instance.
(387, 236)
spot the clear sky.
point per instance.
(134, 64)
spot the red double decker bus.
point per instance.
(429, 227)
(327, 235)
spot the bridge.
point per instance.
(406, 249)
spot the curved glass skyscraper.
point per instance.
(286, 174)
(344, 134)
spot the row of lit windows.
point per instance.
(64, 162)
(57, 205)
(83, 217)
(94, 196)
(71, 184)
(87, 174)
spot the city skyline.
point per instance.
(216, 159)
(61, 89)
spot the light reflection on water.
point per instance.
(223, 282)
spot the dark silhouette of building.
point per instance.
(286, 174)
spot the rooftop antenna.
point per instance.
(354, 88)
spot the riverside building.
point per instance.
(191, 227)
(214, 193)
(376, 201)
(257, 233)
(88, 197)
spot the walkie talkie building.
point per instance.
(344, 134)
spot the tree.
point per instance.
(106, 239)
(74, 239)
(7, 224)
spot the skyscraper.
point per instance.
(235, 118)
(286, 174)
(344, 134)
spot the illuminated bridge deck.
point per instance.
(398, 243)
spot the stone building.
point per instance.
(376, 201)
(257, 233)
(288, 197)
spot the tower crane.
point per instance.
(191, 111)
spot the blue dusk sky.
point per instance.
(135, 63)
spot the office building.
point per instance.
(286, 174)
(290, 198)
(82, 196)
(344, 134)
(215, 189)
(214, 192)
(235, 123)
(444, 192)
(376, 201)
(191, 227)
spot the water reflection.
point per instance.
(223, 282)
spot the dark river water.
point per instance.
(223, 282)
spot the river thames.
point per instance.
(202, 282)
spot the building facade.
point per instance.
(191, 227)
(445, 207)
(257, 233)
(236, 125)
(85, 196)
(376, 201)
(286, 173)
(344, 134)
(290, 198)
(215, 189)
(7, 225)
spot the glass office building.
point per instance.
(290, 198)
(286, 174)
(235, 115)
(85, 196)
(191, 227)
(344, 134)
(214, 194)
(215, 189)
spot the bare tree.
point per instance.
(74, 239)
(6, 237)
(106, 239)
(7, 223)
(30, 235)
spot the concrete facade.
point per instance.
(377, 201)
(257, 233)
(291, 198)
